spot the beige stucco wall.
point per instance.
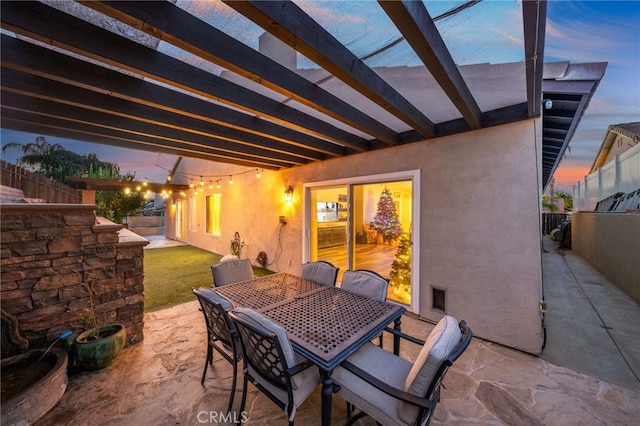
(610, 242)
(479, 222)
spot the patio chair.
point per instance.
(232, 271)
(366, 283)
(394, 391)
(321, 272)
(271, 364)
(219, 330)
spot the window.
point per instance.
(212, 212)
(193, 214)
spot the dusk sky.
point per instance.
(577, 31)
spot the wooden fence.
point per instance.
(38, 187)
(551, 221)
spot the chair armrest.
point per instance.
(292, 371)
(386, 388)
(404, 336)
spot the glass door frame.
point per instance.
(413, 176)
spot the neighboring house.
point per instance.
(613, 183)
(470, 202)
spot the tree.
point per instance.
(401, 269)
(568, 199)
(386, 220)
(550, 203)
(57, 163)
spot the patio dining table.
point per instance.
(325, 324)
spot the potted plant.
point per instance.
(97, 347)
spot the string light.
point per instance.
(190, 183)
(230, 180)
(218, 184)
(210, 184)
(203, 178)
(201, 181)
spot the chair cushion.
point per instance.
(288, 353)
(382, 364)
(440, 343)
(232, 271)
(213, 296)
(319, 272)
(307, 381)
(366, 284)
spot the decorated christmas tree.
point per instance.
(400, 273)
(386, 220)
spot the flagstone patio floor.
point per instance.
(157, 382)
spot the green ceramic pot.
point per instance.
(97, 354)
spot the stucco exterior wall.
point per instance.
(479, 222)
(610, 242)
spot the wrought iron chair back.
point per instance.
(423, 404)
(220, 330)
(433, 392)
(266, 365)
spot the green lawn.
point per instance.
(171, 272)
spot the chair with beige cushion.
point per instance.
(366, 283)
(271, 364)
(232, 271)
(321, 272)
(221, 335)
(394, 391)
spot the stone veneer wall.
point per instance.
(49, 252)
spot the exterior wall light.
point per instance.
(288, 194)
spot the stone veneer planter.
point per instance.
(49, 252)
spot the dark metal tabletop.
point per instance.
(261, 292)
(325, 324)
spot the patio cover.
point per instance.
(202, 80)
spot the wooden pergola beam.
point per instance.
(50, 26)
(181, 29)
(414, 22)
(293, 26)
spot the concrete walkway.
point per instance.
(592, 326)
(580, 380)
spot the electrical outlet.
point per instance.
(283, 220)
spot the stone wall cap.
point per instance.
(105, 225)
(39, 207)
(131, 239)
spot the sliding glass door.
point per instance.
(328, 219)
(365, 225)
